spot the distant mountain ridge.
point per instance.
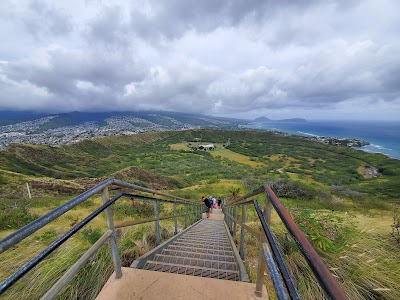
(265, 119)
(67, 128)
(76, 117)
(261, 119)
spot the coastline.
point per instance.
(329, 140)
(372, 137)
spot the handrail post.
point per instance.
(260, 272)
(261, 259)
(231, 220)
(175, 220)
(158, 235)
(225, 216)
(267, 210)
(234, 220)
(113, 239)
(241, 249)
(185, 211)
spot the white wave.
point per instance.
(379, 147)
(306, 133)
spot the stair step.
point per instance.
(194, 271)
(196, 262)
(201, 250)
(213, 256)
(210, 243)
(205, 250)
(204, 246)
(207, 236)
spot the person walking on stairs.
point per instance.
(207, 203)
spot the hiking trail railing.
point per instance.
(191, 209)
(269, 253)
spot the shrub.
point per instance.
(45, 237)
(15, 217)
(91, 235)
(326, 232)
(287, 188)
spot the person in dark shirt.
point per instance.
(219, 202)
(207, 204)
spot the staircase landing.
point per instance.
(149, 285)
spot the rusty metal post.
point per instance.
(158, 234)
(113, 239)
(175, 220)
(241, 249)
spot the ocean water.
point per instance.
(383, 136)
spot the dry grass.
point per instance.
(287, 160)
(240, 158)
(367, 267)
(180, 146)
(133, 242)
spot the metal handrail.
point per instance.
(277, 255)
(321, 272)
(29, 229)
(32, 227)
(53, 246)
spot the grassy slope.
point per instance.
(192, 174)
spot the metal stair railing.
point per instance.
(269, 252)
(110, 234)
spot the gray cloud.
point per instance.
(173, 18)
(38, 18)
(232, 57)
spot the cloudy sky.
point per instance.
(333, 59)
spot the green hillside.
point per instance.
(279, 156)
(351, 234)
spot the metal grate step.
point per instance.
(214, 247)
(209, 243)
(194, 271)
(221, 238)
(201, 250)
(198, 255)
(204, 250)
(196, 262)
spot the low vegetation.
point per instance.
(345, 214)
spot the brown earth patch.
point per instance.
(143, 177)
